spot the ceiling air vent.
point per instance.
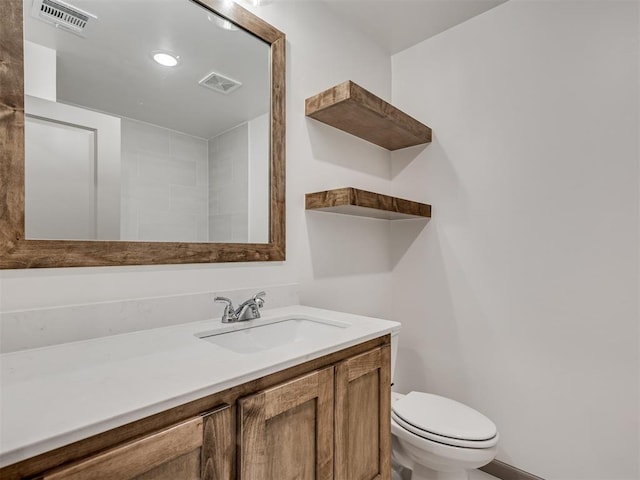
(62, 15)
(220, 83)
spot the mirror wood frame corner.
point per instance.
(18, 252)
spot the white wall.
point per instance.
(40, 71)
(340, 263)
(520, 298)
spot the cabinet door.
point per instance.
(197, 449)
(363, 411)
(286, 432)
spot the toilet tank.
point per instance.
(394, 351)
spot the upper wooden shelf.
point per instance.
(352, 201)
(351, 108)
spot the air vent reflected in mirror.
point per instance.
(220, 83)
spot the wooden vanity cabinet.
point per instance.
(326, 419)
(196, 449)
(331, 424)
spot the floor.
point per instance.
(480, 475)
(473, 475)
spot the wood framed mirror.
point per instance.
(19, 249)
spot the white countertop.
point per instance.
(53, 396)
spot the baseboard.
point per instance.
(505, 471)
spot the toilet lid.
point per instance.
(433, 417)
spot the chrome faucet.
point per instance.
(229, 314)
(248, 310)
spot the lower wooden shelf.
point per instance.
(352, 201)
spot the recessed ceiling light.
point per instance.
(165, 59)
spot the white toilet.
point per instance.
(438, 438)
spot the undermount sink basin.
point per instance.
(257, 338)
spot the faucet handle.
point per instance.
(229, 314)
(223, 300)
(258, 298)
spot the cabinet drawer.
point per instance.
(196, 449)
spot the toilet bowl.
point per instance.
(438, 438)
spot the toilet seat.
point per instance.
(443, 420)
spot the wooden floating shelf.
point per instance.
(352, 201)
(353, 109)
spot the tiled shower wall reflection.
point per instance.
(229, 186)
(177, 187)
(165, 184)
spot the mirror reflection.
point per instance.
(145, 120)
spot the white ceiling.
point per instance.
(398, 24)
(111, 70)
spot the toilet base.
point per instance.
(405, 456)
